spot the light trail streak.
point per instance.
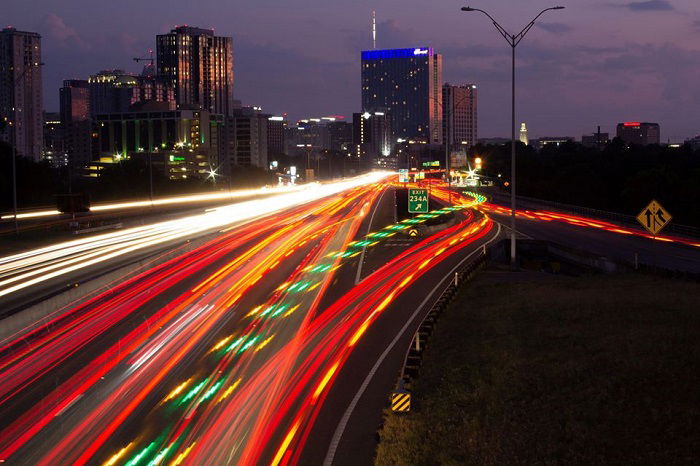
(175, 200)
(32, 267)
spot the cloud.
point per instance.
(650, 5)
(555, 28)
(59, 32)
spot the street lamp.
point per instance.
(513, 40)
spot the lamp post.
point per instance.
(513, 40)
(447, 137)
(13, 124)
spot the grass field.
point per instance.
(587, 370)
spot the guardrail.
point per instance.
(412, 360)
(614, 217)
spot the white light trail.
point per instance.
(194, 198)
(31, 267)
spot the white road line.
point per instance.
(369, 229)
(340, 430)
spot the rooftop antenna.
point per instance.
(374, 29)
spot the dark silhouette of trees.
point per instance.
(619, 178)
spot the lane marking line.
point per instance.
(340, 429)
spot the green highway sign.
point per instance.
(417, 201)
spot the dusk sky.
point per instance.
(596, 62)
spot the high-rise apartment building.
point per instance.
(634, 132)
(21, 98)
(459, 118)
(199, 65)
(407, 84)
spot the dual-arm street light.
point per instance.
(513, 40)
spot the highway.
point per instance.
(616, 242)
(225, 352)
(275, 339)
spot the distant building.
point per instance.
(598, 140)
(53, 151)
(182, 143)
(340, 135)
(557, 141)
(634, 132)
(115, 91)
(523, 134)
(275, 135)
(21, 97)
(74, 100)
(251, 138)
(372, 137)
(459, 116)
(493, 141)
(199, 66)
(406, 83)
(694, 143)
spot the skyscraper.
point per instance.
(21, 98)
(405, 83)
(459, 118)
(199, 65)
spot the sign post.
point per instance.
(654, 217)
(417, 201)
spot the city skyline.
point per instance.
(590, 65)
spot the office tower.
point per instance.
(199, 65)
(459, 118)
(21, 98)
(634, 132)
(77, 128)
(523, 133)
(406, 83)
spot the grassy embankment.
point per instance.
(588, 370)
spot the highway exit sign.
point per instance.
(654, 217)
(417, 201)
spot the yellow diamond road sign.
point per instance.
(654, 218)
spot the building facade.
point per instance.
(460, 115)
(199, 66)
(250, 147)
(21, 95)
(340, 135)
(183, 143)
(407, 84)
(634, 132)
(115, 91)
(372, 137)
(76, 121)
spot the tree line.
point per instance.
(620, 178)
